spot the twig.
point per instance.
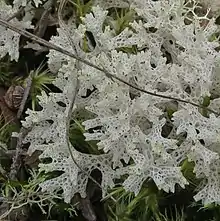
(44, 20)
(67, 134)
(13, 172)
(107, 73)
(25, 96)
(18, 152)
(86, 206)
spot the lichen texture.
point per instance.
(169, 48)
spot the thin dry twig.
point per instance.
(18, 152)
(42, 24)
(25, 96)
(13, 174)
(86, 206)
(107, 73)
